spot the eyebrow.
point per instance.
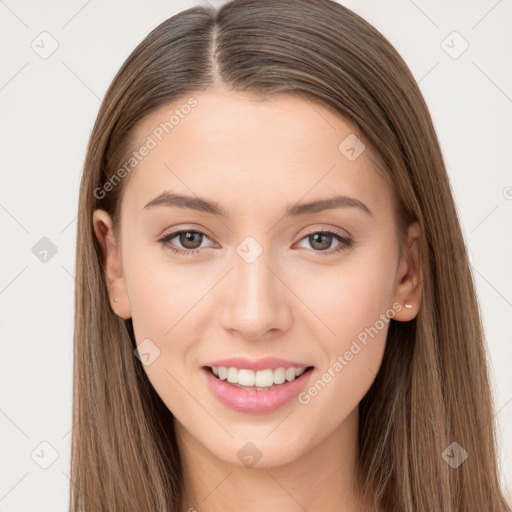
(196, 203)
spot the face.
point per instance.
(239, 273)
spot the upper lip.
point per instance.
(264, 363)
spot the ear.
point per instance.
(112, 266)
(408, 286)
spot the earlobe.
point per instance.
(112, 264)
(408, 286)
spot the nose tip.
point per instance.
(257, 306)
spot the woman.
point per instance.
(275, 307)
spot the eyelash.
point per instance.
(345, 243)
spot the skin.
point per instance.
(256, 156)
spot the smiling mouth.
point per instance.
(261, 380)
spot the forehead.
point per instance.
(227, 146)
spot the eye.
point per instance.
(191, 241)
(322, 240)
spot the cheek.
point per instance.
(356, 305)
(162, 300)
(336, 390)
(169, 303)
(160, 294)
(350, 297)
(151, 315)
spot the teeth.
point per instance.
(263, 378)
(260, 378)
(290, 373)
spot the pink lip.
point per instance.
(251, 400)
(264, 363)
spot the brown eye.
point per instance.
(189, 240)
(322, 241)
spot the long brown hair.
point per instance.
(433, 386)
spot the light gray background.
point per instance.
(48, 107)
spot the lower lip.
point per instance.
(253, 401)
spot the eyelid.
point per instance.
(329, 229)
(178, 229)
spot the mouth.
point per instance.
(256, 391)
(257, 380)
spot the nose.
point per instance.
(258, 302)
